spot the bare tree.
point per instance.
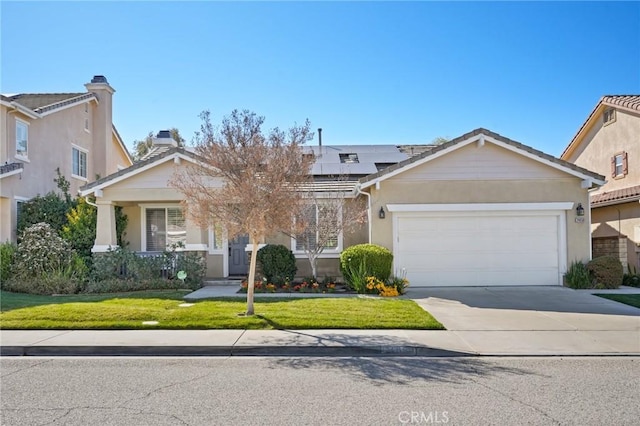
(327, 213)
(245, 180)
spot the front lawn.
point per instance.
(130, 310)
(627, 299)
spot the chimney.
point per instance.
(163, 138)
(104, 161)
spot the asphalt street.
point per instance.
(319, 391)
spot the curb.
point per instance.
(214, 351)
(274, 351)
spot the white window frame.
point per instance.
(19, 156)
(86, 125)
(327, 253)
(143, 222)
(80, 151)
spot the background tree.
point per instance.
(440, 140)
(324, 217)
(142, 147)
(245, 180)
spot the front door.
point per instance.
(238, 259)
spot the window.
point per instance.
(609, 116)
(22, 139)
(165, 228)
(86, 107)
(86, 124)
(19, 205)
(349, 158)
(322, 227)
(619, 165)
(79, 159)
(216, 237)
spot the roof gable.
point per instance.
(629, 103)
(482, 136)
(174, 154)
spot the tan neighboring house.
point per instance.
(480, 210)
(45, 131)
(609, 143)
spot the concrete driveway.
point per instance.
(542, 319)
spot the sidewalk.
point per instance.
(334, 343)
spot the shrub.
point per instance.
(41, 251)
(123, 270)
(47, 284)
(49, 208)
(80, 230)
(278, 263)
(376, 259)
(7, 255)
(631, 279)
(355, 276)
(399, 283)
(44, 263)
(578, 276)
(606, 272)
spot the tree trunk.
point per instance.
(312, 261)
(252, 274)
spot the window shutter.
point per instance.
(625, 166)
(613, 166)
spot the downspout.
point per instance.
(359, 191)
(86, 200)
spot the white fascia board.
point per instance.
(25, 111)
(135, 172)
(11, 173)
(544, 161)
(420, 162)
(397, 208)
(71, 105)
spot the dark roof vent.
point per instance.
(164, 134)
(99, 79)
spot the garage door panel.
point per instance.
(479, 248)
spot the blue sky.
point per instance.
(365, 72)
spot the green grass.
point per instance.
(627, 299)
(129, 310)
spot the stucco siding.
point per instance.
(134, 227)
(603, 142)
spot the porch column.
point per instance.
(105, 227)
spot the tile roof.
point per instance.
(485, 132)
(10, 167)
(617, 196)
(627, 101)
(42, 102)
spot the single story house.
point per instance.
(479, 210)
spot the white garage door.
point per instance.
(479, 248)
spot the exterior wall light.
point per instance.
(381, 213)
(579, 210)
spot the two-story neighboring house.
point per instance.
(45, 131)
(609, 143)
